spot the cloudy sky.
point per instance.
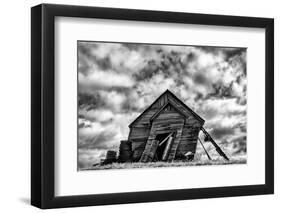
(117, 81)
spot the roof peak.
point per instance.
(166, 91)
(172, 95)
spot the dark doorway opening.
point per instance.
(161, 146)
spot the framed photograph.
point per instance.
(140, 106)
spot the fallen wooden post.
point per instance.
(204, 149)
(218, 149)
(165, 139)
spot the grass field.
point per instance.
(195, 162)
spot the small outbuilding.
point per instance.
(166, 130)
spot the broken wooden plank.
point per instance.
(168, 147)
(149, 152)
(176, 141)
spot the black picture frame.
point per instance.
(43, 102)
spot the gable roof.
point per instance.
(163, 107)
(201, 120)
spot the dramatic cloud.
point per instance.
(103, 80)
(117, 81)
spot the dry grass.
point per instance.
(195, 162)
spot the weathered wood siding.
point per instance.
(188, 140)
(183, 109)
(143, 121)
(169, 120)
(189, 136)
(181, 120)
(137, 152)
(150, 150)
(138, 136)
(139, 132)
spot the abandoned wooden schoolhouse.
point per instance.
(167, 130)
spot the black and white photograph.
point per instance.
(150, 104)
(160, 105)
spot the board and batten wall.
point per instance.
(180, 120)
